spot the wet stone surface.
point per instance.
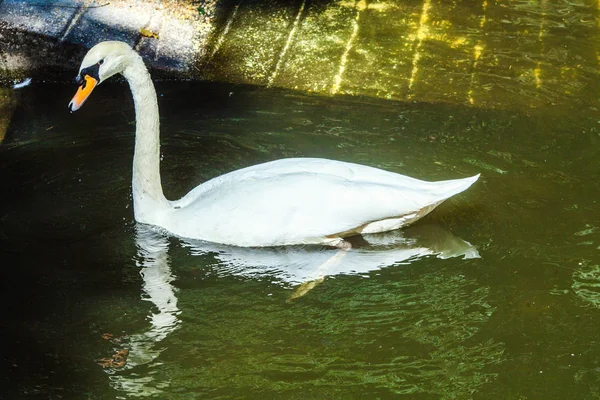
(482, 54)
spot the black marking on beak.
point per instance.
(93, 71)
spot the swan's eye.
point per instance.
(100, 62)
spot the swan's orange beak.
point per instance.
(83, 93)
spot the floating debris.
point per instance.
(529, 163)
(502, 155)
(509, 158)
(484, 165)
(22, 84)
(118, 360)
(589, 229)
(586, 283)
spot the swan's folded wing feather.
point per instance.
(286, 166)
(299, 207)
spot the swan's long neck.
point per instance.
(148, 197)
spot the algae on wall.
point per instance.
(486, 53)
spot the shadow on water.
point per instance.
(506, 305)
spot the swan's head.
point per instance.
(100, 63)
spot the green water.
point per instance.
(496, 294)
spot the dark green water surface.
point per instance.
(495, 295)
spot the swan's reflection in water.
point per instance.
(302, 267)
(144, 348)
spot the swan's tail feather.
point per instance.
(445, 189)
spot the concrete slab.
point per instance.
(39, 36)
(109, 23)
(50, 17)
(176, 46)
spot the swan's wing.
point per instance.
(321, 166)
(264, 208)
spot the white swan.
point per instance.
(283, 202)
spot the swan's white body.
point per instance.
(283, 202)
